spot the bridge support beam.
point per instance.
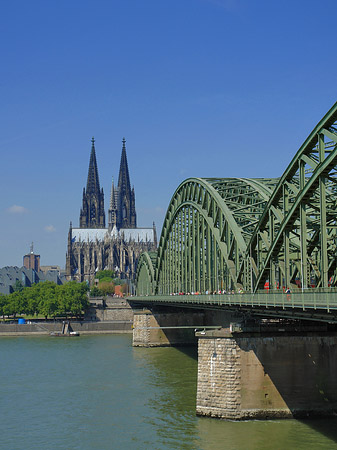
(261, 376)
(163, 328)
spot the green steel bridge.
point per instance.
(240, 243)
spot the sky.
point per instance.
(199, 88)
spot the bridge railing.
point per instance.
(311, 299)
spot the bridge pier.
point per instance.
(165, 328)
(264, 376)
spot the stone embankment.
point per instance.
(45, 328)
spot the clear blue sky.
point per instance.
(207, 88)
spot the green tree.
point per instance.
(106, 287)
(32, 299)
(95, 292)
(47, 298)
(8, 308)
(110, 274)
(3, 302)
(74, 298)
(18, 303)
(48, 307)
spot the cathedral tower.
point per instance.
(92, 214)
(126, 205)
(92, 246)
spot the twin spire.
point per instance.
(122, 211)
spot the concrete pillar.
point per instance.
(256, 376)
(162, 329)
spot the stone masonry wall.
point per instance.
(219, 378)
(141, 331)
(259, 377)
(83, 327)
(165, 329)
(109, 308)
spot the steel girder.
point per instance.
(239, 234)
(145, 276)
(205, 234)
(295, 240)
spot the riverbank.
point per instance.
(45, 328)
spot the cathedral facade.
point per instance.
(93, 246)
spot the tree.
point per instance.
(75, 299)
(8, 308)
(18, 303)
(32, 299)
(3, 303)
(110, 274)
(107, 287)
(95, 292)
(47, 298)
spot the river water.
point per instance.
(100, 393)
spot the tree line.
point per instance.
(47, 299)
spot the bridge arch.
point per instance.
(205, 233)
(245, 234)
(294, 243)
(145, 274)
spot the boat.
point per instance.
(60, 334)
(65, 331)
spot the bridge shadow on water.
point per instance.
(327, 426)
(173, 376)
(300, 377)
(191, 351)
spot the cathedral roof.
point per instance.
(137, 234)
(99, 234)
(88, 234)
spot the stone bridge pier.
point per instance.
(168, 326)
(265, 376)
(162, 328)
(274, 373)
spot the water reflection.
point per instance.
(172, 377)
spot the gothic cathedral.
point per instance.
(92, 246)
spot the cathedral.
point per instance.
(117, 247)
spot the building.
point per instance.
(32, 261)
(93, 246)
(9, 275)
(54, 268)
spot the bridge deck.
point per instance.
(312, 305)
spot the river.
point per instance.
(100, 393)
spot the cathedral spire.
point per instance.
(112, 194)
(124, 178)
(126, 210)
(112, 213)
(93, 180)
(92, 213)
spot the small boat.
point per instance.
(65, 331)
(60, 334)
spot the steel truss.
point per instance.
(241, 235)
